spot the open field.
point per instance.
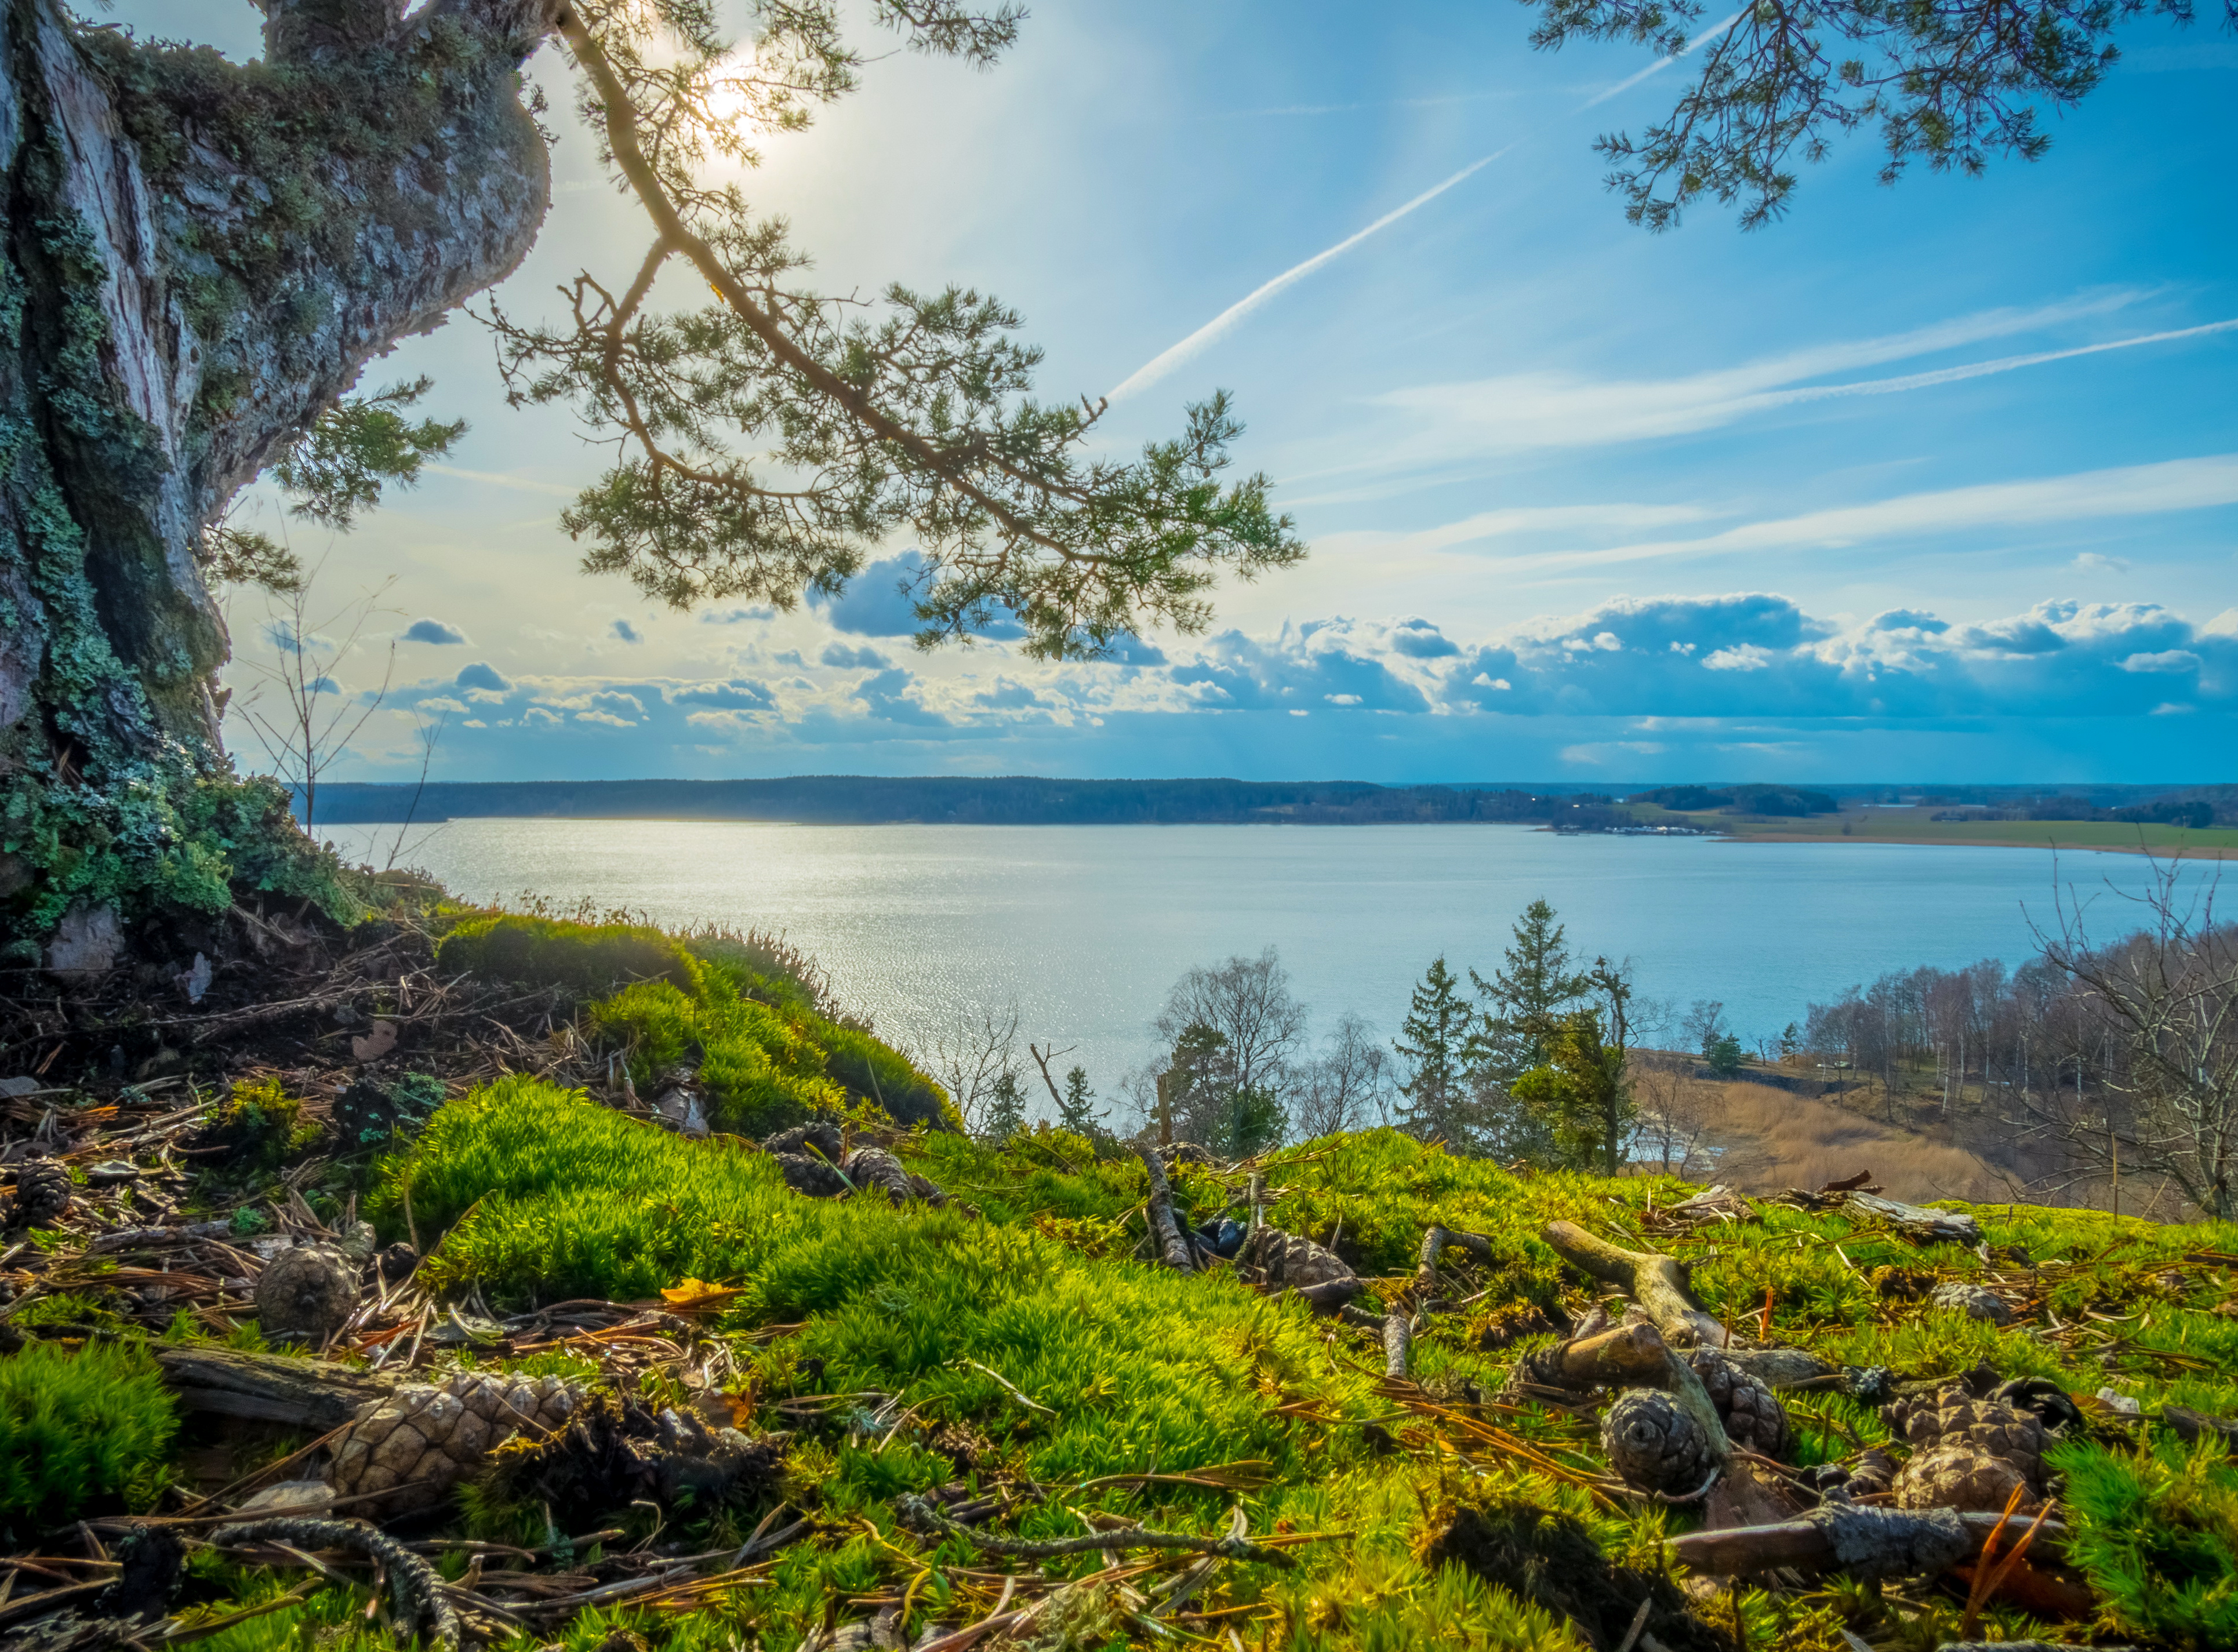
(1917, 826)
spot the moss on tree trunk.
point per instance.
(200, 257)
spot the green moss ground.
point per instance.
(1019, 1311)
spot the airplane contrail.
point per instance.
(1983, 369)
(1163, 363)
(1662, 63)
(1159, 366)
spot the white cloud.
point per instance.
(2134, 490)
(2092, 562)
(1520, 411)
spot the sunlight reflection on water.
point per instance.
(1085, 927)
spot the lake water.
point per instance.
(1086, 927)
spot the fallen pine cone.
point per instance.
(42, 1194)
(1754, 1418)
(307, 1291)
(1654, 1444)
(422, 1438)
(1291, 1261)
(1968, 1454)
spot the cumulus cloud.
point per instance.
(736, 616)
(877, 602)
(1761, 654)
(881, 601)
(1419, 639)
(847, 658)
(1324, 662)
(737, 694)
(432, 631)
(893, 695)
(606, 717)
(482, 675)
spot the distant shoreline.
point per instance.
(855, 800)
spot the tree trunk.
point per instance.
(199, 258)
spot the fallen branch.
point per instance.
(1434, 1246)
(920, 1516)
(1867, 1541)
(1398, 1343)
(414, 1585)
(1659, 1284)
(1173, 1248)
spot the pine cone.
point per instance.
(1291, 1262)
(818, 1134)
(815, 1177)
(1754, 1419)
(424, 1438)
(308, 1292)
(1967, 1453)
(1654, 1444)
(875, 1170)
(42, 1194)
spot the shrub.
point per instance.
(78, 1429)
(550, 952)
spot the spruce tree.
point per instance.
(1433, 1042)
(1006, 1114)
(1076, 1110)
(1525, 1000)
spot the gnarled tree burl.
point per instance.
(202, 257)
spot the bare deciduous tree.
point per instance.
(1346, 1087)
(2165, 1000)
(303, 718)
(975, 1059)
(1674, 1113)
(1246, 1002)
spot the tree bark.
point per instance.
(199, 258)
(312, 1394)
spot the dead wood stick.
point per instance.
(1398, 1343)
(1434, 1246)
(1173, 1250)
(1659, 1284)
(1868, 1542)
(919, 1515)
(414, 1586)
(307, 1393)
(1257, 1198)
(1623, 1356)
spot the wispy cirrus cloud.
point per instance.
(1525, 411)
(2131, 489)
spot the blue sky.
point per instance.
(1934, 482)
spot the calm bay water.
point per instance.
(1084, 927)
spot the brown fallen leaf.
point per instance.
(375, 1044)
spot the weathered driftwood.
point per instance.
(312, 1394)
(1868, 1542)
(1919, 1222)
(1658, 1284)
(1329, 1296)
(1165, 1232)
(1434, 1246)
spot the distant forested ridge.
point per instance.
(856, 800)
